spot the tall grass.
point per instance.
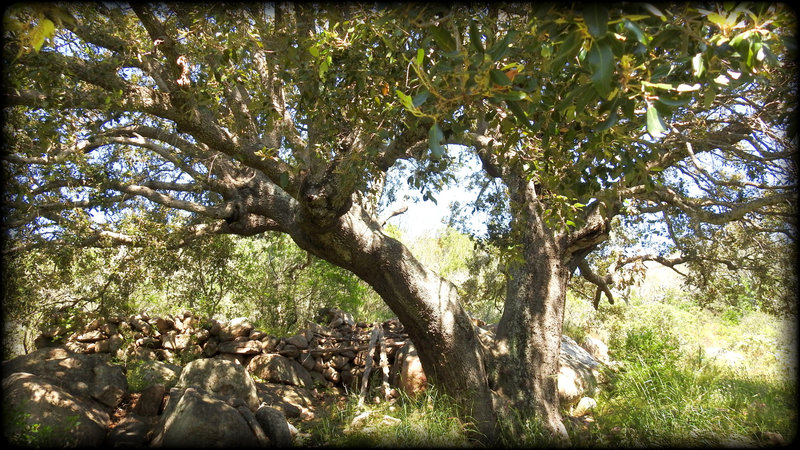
(673, 391)
(427, 420)
(670, 390)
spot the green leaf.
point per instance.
(596, 17)
(601, 59)
(567, 50)
(655, 11)
(405, 99)
(443, 38)
(499, 49)
(655, 125)
(475, 37)
(610, 121)
(435, 137)
(516, 109)
(284, 181)
(499, 77)
(44, 29)
(640, 36)
(420, 98)
(420, 56)
(314, 51)
(512, 95)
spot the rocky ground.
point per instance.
(155, 381)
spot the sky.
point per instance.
(424, 217)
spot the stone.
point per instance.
(290, 351)
(241, 346)
(172, 340)
(409, 376)
(597, 349)
(279, 369)
(578, 372)
(164, 324)
(89, 375)
(584, 406)
(150, 399)
(294, 401)
(193, 418)
(274, 423)
(158, 372)
(298, 341)
(238, 327)
(139, 324)
(130, 432)
(91, 336)
(220, 378)
(60, 417)
(211, 347)
(307, 361)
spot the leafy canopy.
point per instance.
(160, 117)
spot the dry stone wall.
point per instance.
(188, 368)
(336, 354)
(328, 355)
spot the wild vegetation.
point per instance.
(140, 139)
(672, 391)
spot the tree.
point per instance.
(204, 120)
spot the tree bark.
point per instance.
(528, 340)
(427, 305)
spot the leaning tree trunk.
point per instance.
(427, 305)
(528, 340)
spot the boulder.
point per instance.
(149, 401)
(223, 379)
(238, 327)
(130, 432)
(280, 369)
(241, 346)
(597, 349)
(38, 413)
(584, 406)
(293, 401)
(90, 375)
(407, 373)
(172, 340)
(157, 372)
(273, 422)
(197, 419)
(577, 375)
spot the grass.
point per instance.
(673, 391)
(429, 420)
(670, 391)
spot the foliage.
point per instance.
(267, 279)
(672, 390)
(428, 420)
(155, 127)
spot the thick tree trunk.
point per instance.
(528, 340)
(427, 305)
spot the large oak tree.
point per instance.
(199, 120)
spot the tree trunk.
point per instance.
(427, 305)
(528, 340)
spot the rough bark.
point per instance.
(426, 304)
(529, 333)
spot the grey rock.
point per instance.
(197, 419)
(61, 418)
(279, 369)
(220, 378)
(274, 423)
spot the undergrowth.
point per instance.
(670, 388)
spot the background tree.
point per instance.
(204, 120)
